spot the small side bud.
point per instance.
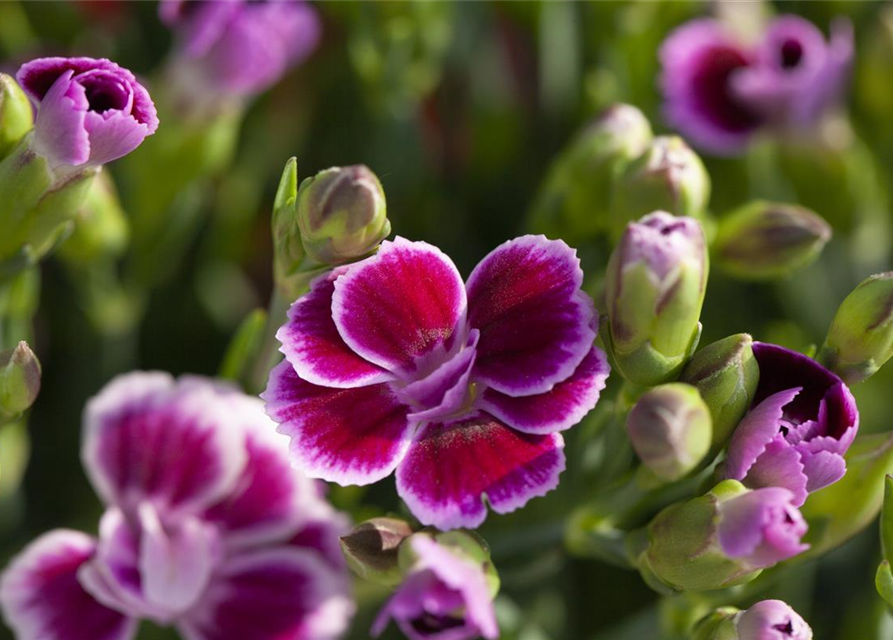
(19, 380)
(726, 374)
(342, 214)
(767, 240)
(860, 339)
(668, 176)
(464, 544)
(718, 625)
(655, 287)
(16, 115)
(371, 549)
(575, 200)
(765, 619)
(670, 430)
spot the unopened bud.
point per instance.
(718, 625)
(765, 619)
(575, 201)
(342, 214)
(766, 240)
(101, 227)
(655, 288)
(669, 428)
(726, 374)
(19, 380)
(860, 339)
(668, 176)
(371, 549)
(721, 539)
(16, 115)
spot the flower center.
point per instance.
(791, 54)
(432, 623)
(105, 92)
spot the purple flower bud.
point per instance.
(719, 91)
(239, 48)
(803, 420)
(89, 112)
(772, 620)
(446, 596)
(761, 528)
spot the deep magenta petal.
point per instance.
(535, 322)
(272, 594)
(38, 76)
(451, 467)
(561, 408)
(348, 436)
(42, 599)
(177, 445)
(404, 303)
(312, 344)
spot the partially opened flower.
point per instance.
(239, 47)
(89, 111)
(803, 420)
(445, 596)
(207, 528)
(719, 91)
(772, 620)
(394, 363)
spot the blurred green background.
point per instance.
(459, 108)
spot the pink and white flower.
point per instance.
(208, 528)
(394, 363)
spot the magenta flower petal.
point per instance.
(38, 76)
(272, 594)
(700, 61)
(313, 346)
(762, 527)
(758, 428)
(404, 303)
(445, 597)
(60, 129)
(42, 599)
(534, 320)
(201, 23)
(451, 467)
(780, 465)
(113, 134)
(822, 469)
(561, 408)
(348, 436)
(148, 439)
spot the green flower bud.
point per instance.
(655, 287)
(668, 176)
(371, 549)
(719, 625)
(766, 240)
(670, 430)
(575, 200)
(288, 250)
(726, 375)
(16, 115)
(342, 214)
(19, 380)
(860, 339)
(681, 551)
(101, 227)
(840, 511)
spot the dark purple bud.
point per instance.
(89, 111)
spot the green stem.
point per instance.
(257, 374)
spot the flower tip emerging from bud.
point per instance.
(766, 240)
(371, 549)
(726, 374)
(668, 176)
(772, 619)
(655, 288)
(16, 115)
(670, 430)
(19, 379)
(621, 129)
(860, 339)
(342, 214)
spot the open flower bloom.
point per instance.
(207, 528)
(803, 420)
(771, 620)
(239, 47)
(89, 112)
(761, 528)
(444, 597)
(394, 363)
(719, 91)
